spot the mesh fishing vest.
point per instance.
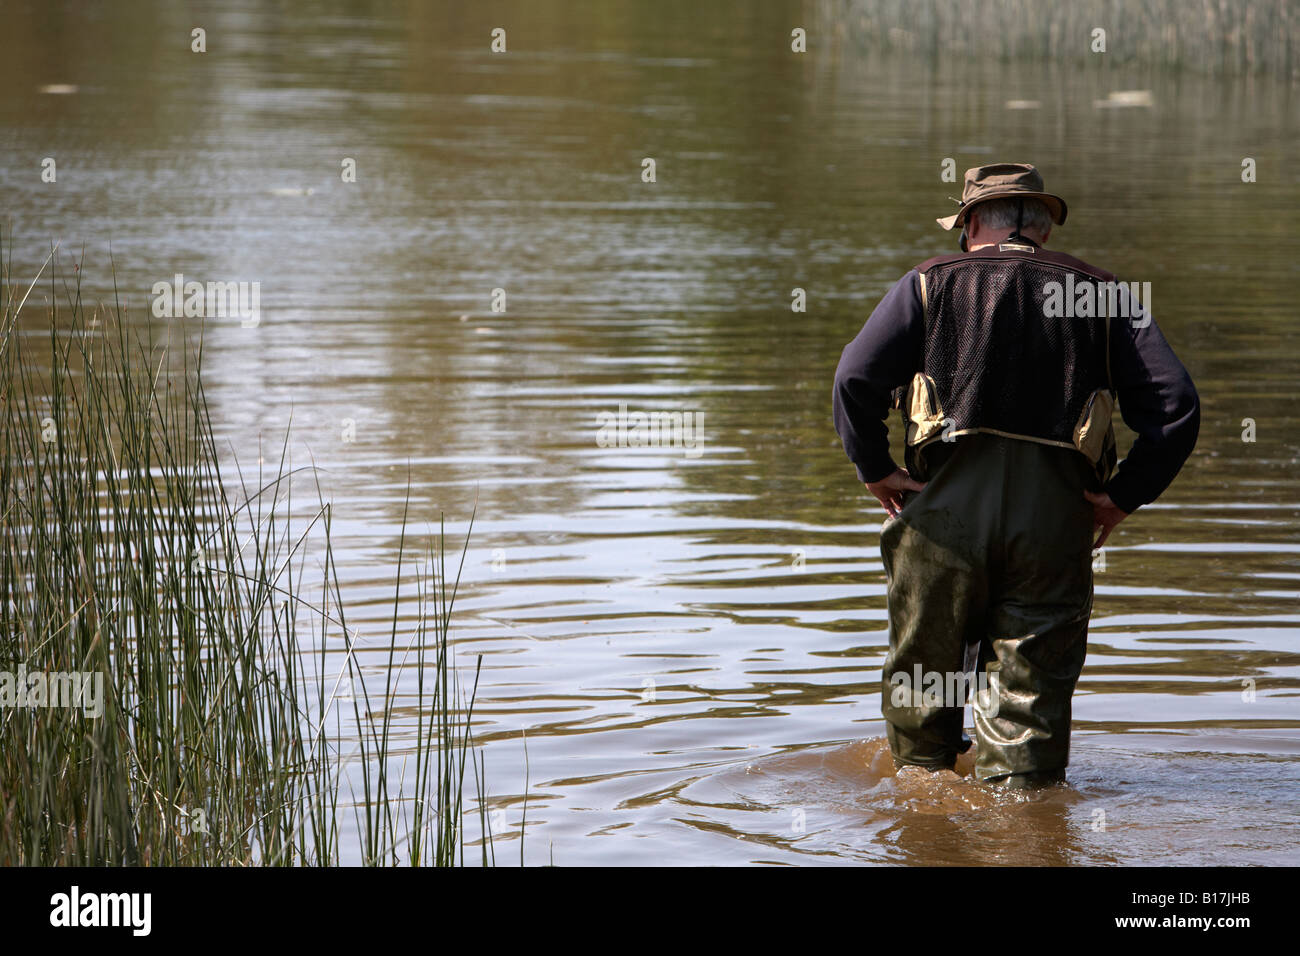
(1005, 353)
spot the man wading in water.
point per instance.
(1007, 388)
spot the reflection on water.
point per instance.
(632, 604)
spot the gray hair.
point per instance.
(1001, 214)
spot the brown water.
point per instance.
(693, 644)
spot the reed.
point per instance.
(235, 725)
(1204, 36)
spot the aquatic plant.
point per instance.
(1204, 36)
(181, 690)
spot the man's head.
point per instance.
(985, 186)
(994, 220)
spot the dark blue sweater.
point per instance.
(1156, 396)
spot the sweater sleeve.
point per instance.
(883, 356)
(1158, 401)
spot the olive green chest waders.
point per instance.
(992, 563)
(989, 569)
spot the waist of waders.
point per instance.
(931, 433)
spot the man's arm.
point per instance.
(883, 356)
(1158, 401)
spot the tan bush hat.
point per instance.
(1003, 181)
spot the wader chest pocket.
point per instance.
(1094, 426)
(924, 416)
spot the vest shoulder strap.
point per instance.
(1060, 260)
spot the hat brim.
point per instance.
(1055, 207)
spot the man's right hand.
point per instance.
(1105, 515)
(889, 490)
